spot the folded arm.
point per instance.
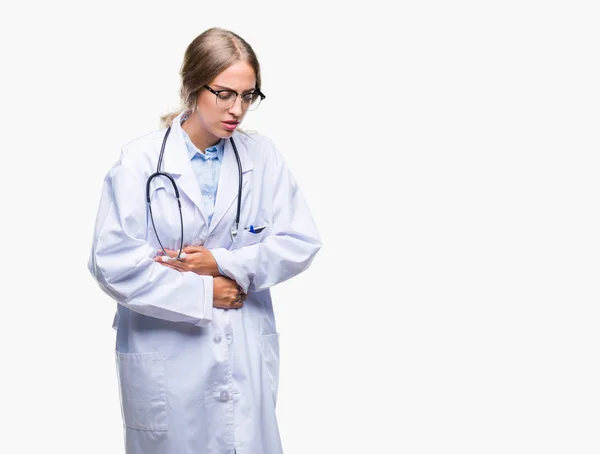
(122, 262)
(290, 246)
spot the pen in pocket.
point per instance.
(256, 229)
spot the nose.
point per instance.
(236, 109)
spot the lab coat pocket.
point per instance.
(253, 234)
(270, 355)
(141, 381)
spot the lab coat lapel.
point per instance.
(177, 162)
(227, 190)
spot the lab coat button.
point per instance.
(218, 338)
(229, 336)
(224, 396)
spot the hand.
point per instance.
(227, 294)
(198, 260)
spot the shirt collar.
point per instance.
(216, 150)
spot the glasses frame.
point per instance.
(217, 92)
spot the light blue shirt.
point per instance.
(207, 167)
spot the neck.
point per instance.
(199, 136)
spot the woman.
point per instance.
(197, 347)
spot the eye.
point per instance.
(250, 97)
(226, 95)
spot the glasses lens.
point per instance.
(225, 99)
(253, 101)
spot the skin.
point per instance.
(205, 129)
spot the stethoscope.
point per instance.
(234, 227)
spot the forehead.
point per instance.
(239, 77)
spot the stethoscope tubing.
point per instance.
(234, 228)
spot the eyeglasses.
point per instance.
(227, 98)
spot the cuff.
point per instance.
(229, 267)
(205, 300)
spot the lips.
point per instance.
(230, 125)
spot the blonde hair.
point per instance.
(209, 54)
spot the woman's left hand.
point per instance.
(198, 259)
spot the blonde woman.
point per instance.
(196, 222)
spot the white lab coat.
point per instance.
(194, 379)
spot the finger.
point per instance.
(169, 265)
(179, 265)
(171, 253)
(175, 264)
(240, 298)
(193, 249)
(161, 259)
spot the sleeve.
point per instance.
(290, 246)
(121, 260)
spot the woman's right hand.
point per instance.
(227, 294)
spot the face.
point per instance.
(239, 77)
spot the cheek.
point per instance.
(207, 103)
(206, 109)
(208, 115)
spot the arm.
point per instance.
(122, 262)
(290, 247)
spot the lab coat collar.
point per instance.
(176, 161)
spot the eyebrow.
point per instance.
(229, 88)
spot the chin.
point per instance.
(226, 134)
(221, 133)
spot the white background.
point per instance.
(449, 153)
